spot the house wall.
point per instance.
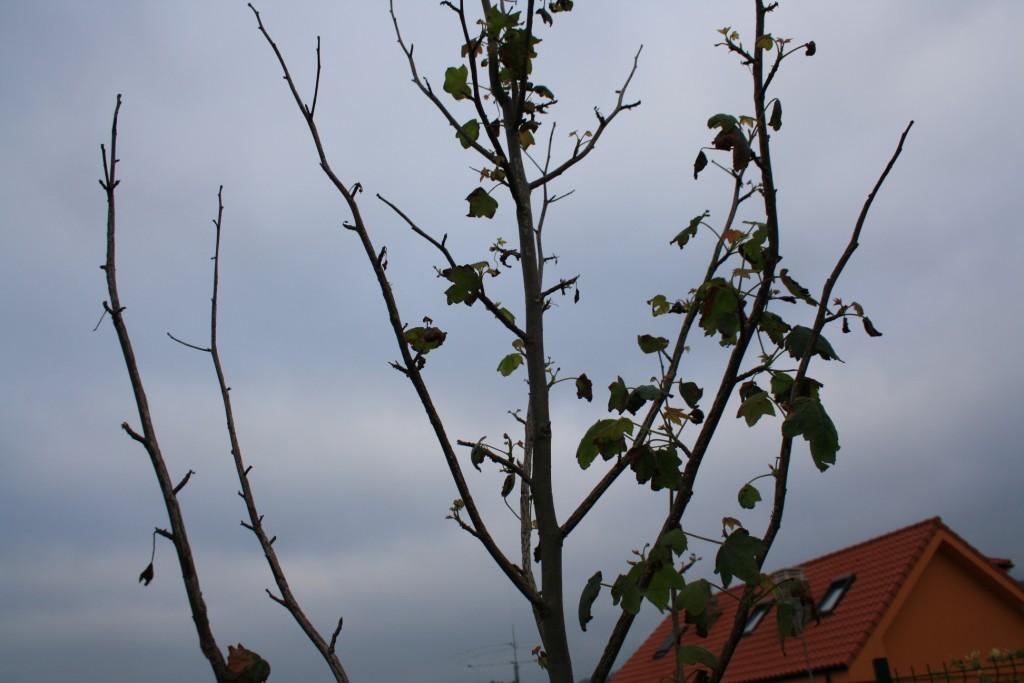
(948, 611)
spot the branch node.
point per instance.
(134, 434)
(275, 598)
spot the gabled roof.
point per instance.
(880, 567)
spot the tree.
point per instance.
(659, 431)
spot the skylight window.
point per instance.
(834, 594)
(666, 646)
(756, 615)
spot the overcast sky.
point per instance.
(345, 467)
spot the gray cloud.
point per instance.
(344, 462)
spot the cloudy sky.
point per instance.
(345, 468)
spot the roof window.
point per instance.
(836, 590)
(756, 615)
(667, 645)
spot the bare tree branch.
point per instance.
(602, 123)
(411, 369)
(255, 525)
(178, 535)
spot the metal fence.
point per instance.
(990, 671)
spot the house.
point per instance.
(918, 597)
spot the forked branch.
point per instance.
(582, 150)
(411, 368)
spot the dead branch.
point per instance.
(178, 535)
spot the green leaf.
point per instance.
(498, 21)
(785, 621)
(666, 470)
(695, 654)
(507, 315)
(674, 540)
(811, 49)
(795, 288)
(525, 138)
(481, 204)
(809, 420)
(752, 248)
(587, 598)
(642, 462)
(584, 388)
(477, 455)
(749, 496)
(775, 120)
(799, 338)
(724, 121)
(618, 396)
(754, 407)
(765, 42)
(775, 327)
(694, 597)
(631, 598)
(689, 231)
(508, 484)
(468, 133)
(782, 386)
(641, 395)
(560, 5)
(423, 340)
(699, 164)
(663, 581)
(543, 91)
(466, 284)
(515, 53)
(455, 82)
(870, 328)
(738, 557)
(626, 590)
(719, 309)
(659, 305)
(545, 16)
(509, 364)
(649, 344)
(706, 619)
(605, 437)
(690, 392)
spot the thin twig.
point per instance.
(488, 303)
(495, 157)
(508, 463)
(191, 346)
(334, 636)
(603, 123)
(184, 480)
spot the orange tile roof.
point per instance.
(880, 566)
